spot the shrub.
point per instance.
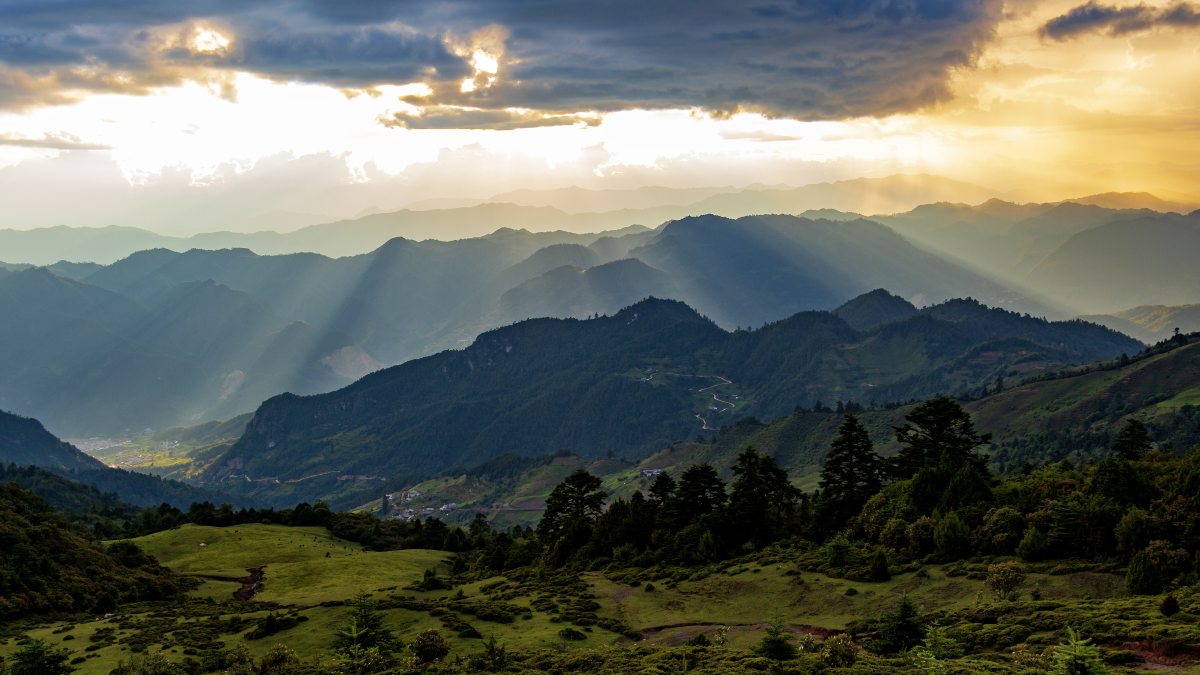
(839, 651)
(649, 588)
(698, 640)
(571, 634)
(807, 644)
(429, 646)
(920, 535)
(37, 657)
(1169, 606)
(1142, 577)
(146, 664)
(851, 591)
(836, 550)
(894, 535)
(1034, 546)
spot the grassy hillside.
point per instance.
(1077, 415)
(662, 607)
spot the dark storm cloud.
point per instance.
(804, 58)
(1115, 21)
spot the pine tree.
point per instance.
(575, 501)
(700, 493)
(852, 472)
(1077, 657)
(1133, 441)
(776, 643)
(938, 434)
(365, 628)
(900, 629)
(762, 501)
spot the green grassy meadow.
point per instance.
(744, 596)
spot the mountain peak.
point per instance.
(660, 309)
(874, 309)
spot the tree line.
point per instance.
(935, 500)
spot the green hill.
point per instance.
(53, 568)
(873, 309)
(23, 440)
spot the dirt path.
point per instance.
(252, 585)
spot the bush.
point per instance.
(698, 640)
(571, 634)
(1034, 546)
(649, 588)
(1004, 578)
(839, 651)
(1142, 577)
(37, 657)
(429, 646)
(851, 591)
(1169, 606)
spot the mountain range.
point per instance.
(162, 338)
(633, 382)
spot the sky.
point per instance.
(179, 117)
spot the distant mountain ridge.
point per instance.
(627, 383)
(1151, 323)
(25, 442)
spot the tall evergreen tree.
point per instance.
(701, 492)
(938, 434)
(852, 472)
(575, 501)
(1133, 441)
(762, 502)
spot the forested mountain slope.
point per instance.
(633, 382)
(25, 442)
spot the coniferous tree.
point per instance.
(900, 628)
(364, 628)
(762, 501)
(575, 501)
(1077, 656)
(936, 434)
(1133, 441)
(852, 472)
(701, 492)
